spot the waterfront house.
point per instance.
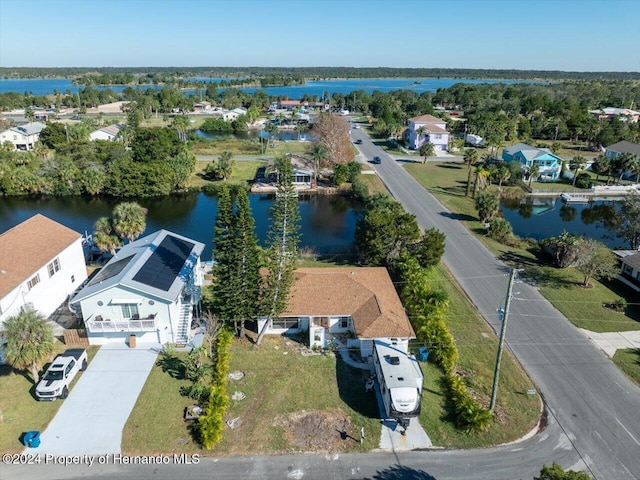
(630, 268)
(23, 137)
(41, 264)
(110, 133)
(355, 304)
(617, 149)
(428, 129)
(550, 165)
(608, 113)
(149, 289)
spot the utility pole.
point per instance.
(505, 316)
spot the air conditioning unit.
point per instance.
(28, 307)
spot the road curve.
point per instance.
(595, 404)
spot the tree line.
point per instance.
(319, 72)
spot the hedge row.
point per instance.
(426, 309)
(211, 423)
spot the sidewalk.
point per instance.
(611, 341)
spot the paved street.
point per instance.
(595, 404)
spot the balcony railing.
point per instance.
(108, 326)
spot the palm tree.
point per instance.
(481, 179)
(504, 174)
(29, 342)
(104, 237)
(129, 220)
(575, 165)
(487, 205)
(470, 157)
(225, 164)
(427, 149)
(318, 154)
(534, 172)
(600, 165)
(623, 163)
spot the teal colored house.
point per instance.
(549, 164)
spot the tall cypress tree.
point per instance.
(223, 255)
(282, 240)
(247, 263)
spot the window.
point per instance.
(344, 322)
(438, 136)
(129, 310)
(284, 322)
(627, 269)
(73, 278)
(33, 282)
(53, 267)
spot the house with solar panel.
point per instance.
(150, 289)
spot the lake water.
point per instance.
(540, 218)
(44, 86)
(283, 135)
(327, 224)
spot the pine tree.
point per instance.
(223, 255)
(247, 265)
(282, 242)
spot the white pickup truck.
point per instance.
(57, 379)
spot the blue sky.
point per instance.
(582, 35)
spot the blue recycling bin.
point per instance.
(423, 354)
(31, 439)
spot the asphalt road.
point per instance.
(595, 404)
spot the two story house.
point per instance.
(149, 289)
(428, 129)
(23, 137)
(550, 165)
(41, 264)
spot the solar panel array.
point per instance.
(111, 270)
(163, 266)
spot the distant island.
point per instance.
(279, 74)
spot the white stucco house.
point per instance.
(23, 137)
(110, 133)
(356, 304)
(149, 289)
(230, 115)
(41, 264)
(428, 129)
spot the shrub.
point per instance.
(583, 181)
(469, 415)
(211, 422)
(500, 229)
(359, 190)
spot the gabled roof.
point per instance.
(529, 152)
(427, 119)
(434, 129)
(32, 128)
(27, 247)
(365, 293)
(614, 111)
(632, 260)
(111, 129)
(625, 147)
(157, 265)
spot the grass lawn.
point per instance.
(516, 412)
(583, 307)
(243, 171)
(374, 184)
(19, 409)
(247, 147)
(278, 382)
(629, 362)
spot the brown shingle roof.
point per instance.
(365, 293)
(426, 119)
(434, 129)
(28, 246)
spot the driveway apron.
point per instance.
(91, 419)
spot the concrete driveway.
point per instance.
(91, 419)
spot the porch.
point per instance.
(100, 325)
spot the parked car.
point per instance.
(376, 160)
(359, 141)
(57, 379)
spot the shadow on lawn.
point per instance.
(351, 387)
(172, 365)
